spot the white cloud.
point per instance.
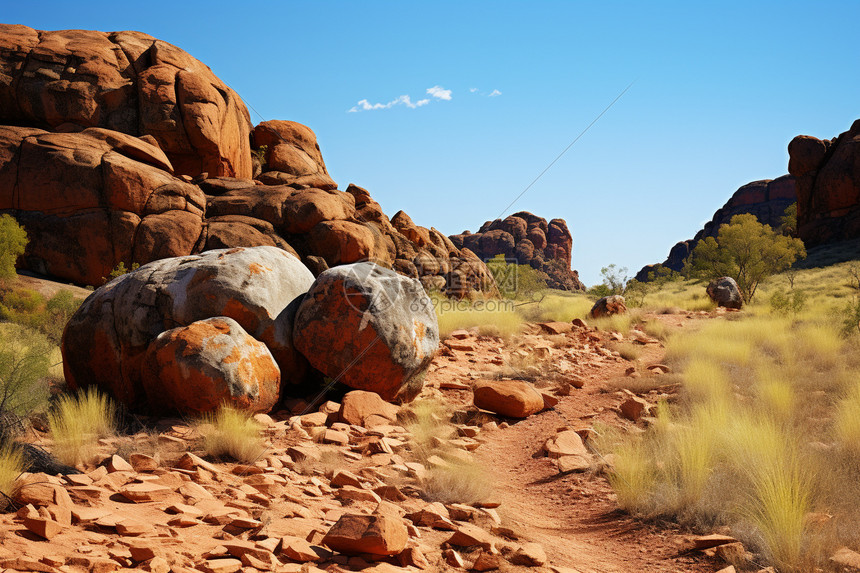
(364, 105)
(439, 93)
(472, 90)
(495, 93)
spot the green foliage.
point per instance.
(516, 281)
(260, 154)
(599, 291)
(614, 278)
(13, 241)
(851, 317)
(793, 303)
(747, 251)
(29, 308)
(634, 293)
(24, 364)
(788, 221)
(120, 270)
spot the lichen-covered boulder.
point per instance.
(194, 369)
(607, 306)
(369, 328)
(259, 287)
(725, 292)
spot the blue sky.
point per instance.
(719, 90)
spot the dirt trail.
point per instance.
(574, 516)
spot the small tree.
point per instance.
(788, 221)
(516, 281)
(747, 251)
(13, 241)
(615, 278)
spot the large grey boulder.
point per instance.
(725, 292)
(369, 328)
(258, 287)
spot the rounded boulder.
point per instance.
(194, 369)
(258, 287)
(369, 328)
(725, 292)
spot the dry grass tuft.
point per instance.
(77, 422)
(11, 467)
(231, 433)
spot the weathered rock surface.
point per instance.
(607, 306)
(766, 199)
(121, 148)
(529, 240)
(511, 398)
(128, 82)
(107, 338)
(828, 186)
(385, 335)
(194, 369)
(725, 292)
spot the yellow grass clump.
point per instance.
(77, 422)
(11, 467)
(228, 432)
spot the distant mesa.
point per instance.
(119, 147)
(766, 199)
(529, 240)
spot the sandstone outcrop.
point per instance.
(528, 240)
(115, 332)
(128, 82)
(766, 199)
(369, 328)
(828, 186)
(120, 148)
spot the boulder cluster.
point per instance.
(121, 148)
(527, 239)
(245, 326)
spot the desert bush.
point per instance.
(119, 270)
(793, 303)
(228, 432)
(24, 364)
(77, 422)
(457, 481)
(13, 241)
(516, 281)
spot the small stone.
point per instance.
(221, 566)
(487, 562)
(143, 463)
(343, 478)
(117, 464)
(46, 528)
(530, 555)
(634, 408)
(298, 549)
(469, 535)
(132, 528)
(145, 492)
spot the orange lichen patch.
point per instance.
(187, 370)
(258, 269)
(236, 310)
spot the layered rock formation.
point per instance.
(129, 82)
(828, 186)
(529, 240)
(766, 199)
(118, 147)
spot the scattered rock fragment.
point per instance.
(511, 398)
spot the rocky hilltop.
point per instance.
(530, 240)
(828, 186)
(121, 148)
(766, 199)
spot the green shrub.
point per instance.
(516, 281)
(24, 364)
(792, 303)
(13, 242)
